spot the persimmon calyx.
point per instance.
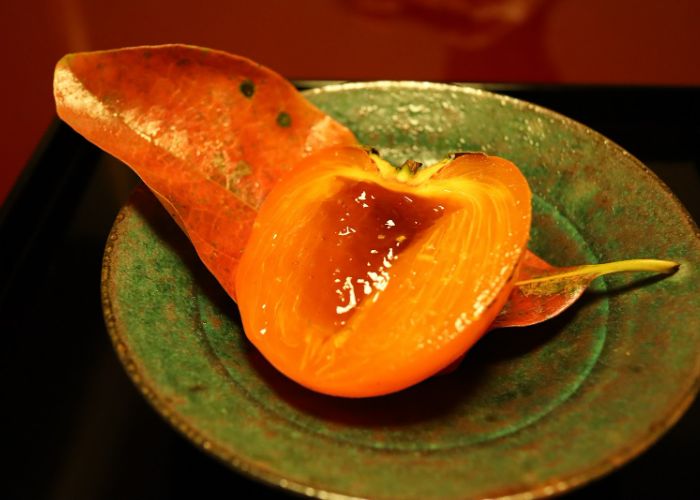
(411, 172)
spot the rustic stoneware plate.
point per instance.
(531, 411)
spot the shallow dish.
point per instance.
(530, 412)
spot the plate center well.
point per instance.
(510, 379)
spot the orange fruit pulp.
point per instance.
(360, 279)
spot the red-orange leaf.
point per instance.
(544, 291)
(208, 132)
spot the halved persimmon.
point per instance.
(360, 279)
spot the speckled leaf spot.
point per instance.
(209, 150)
(247, 88)
(284, 120)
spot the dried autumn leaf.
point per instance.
(544, 291)
(208, 132)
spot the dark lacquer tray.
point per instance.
(78, 428)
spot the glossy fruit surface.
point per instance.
(360, 279)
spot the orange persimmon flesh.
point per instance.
(360, 279)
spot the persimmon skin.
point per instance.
(309, 306)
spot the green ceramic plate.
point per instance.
(531, 411)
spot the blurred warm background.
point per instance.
(637, 42)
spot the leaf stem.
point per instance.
(633, 265)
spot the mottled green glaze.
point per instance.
(531, 411)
